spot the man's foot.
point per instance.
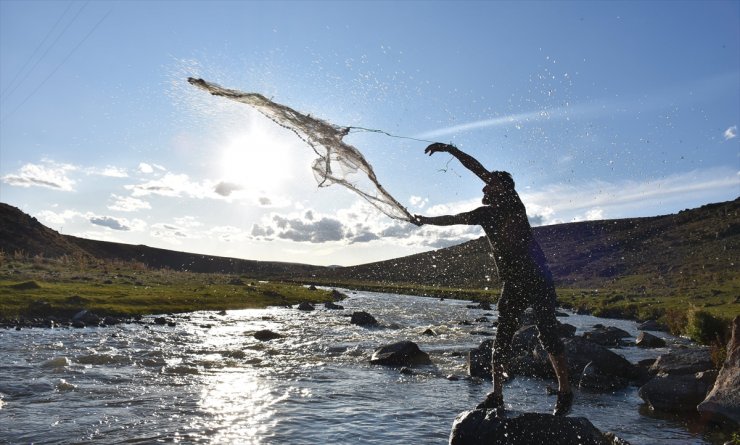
(564, 404)
(492, 401)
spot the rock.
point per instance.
(78, 324)
(406, 371)
(561, 314)
(403, 353)
(484, 426)
(337, 296)
(332, 306)
(305, 306)
(86, 317)
(595, 379)
(683, 361)
(648, 340)
(266, 335)
(160, 321)
(481, 320)
(652, 325)
(609, 336)
(484, 333)
(312, 287)
(484, 305)
(579, 352)
(479, 360)
(567, 330)
(362, 318)
(524, 340)
(429, 332)
(677, 392)
(723, 401)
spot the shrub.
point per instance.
(704, 328)
(675, 319)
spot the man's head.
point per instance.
(500, 183)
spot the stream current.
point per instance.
(208, 380)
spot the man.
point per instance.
(522, 268)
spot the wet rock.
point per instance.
(429, 332)
(677, 392)
(561, 314)
(160, 321)
(362, 318)
(337, 296)
(566, 330)
(306, 306)
(652, 325)
(481, 320)
(406, 371)
(86, 317)
(648, 340)
(484, 426)
(683, 361)
(266, 335)
(312, 287)
(403, 353)
(609, 336)
(484, 333)
(78, 324)
(595, 379)
(723, 401)
(332, 306)
(579, 352)
(111, 321)
(479, 360)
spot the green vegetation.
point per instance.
(29, 286)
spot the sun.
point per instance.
(259, 160)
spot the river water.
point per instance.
(208, 380)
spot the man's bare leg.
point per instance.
(565, 392)
(495, 398)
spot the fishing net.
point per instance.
(337, 162)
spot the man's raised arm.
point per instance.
(465, 159)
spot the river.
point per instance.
(208, 380)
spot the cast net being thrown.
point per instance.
(337, 162)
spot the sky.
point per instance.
(599, 110)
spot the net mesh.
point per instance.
(337, 161)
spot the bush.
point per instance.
(705, 328)
(675, 319)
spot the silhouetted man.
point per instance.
(523, 271)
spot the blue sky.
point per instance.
(600, 110)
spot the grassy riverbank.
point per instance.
(39, 286)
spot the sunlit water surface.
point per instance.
(208, 380)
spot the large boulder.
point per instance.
(595, 379)
(723, 401)
(648, 340)
(677, 392)
(402, 353)
(362, 318)
(266, 335)
(306, 306)
(609, 336)
(86, 317)
(683, 361)
(485, 426)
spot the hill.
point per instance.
(693, 254)
(21, 233)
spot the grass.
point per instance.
(62, 286)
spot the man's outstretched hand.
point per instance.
(438, 147)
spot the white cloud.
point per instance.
(108, 171)
(730, 133)
(226, 188)
(418, 201)
(48, 174)
(145, 168)
(128, 204)
(49, 217)
(173, 185)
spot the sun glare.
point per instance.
(258, 161)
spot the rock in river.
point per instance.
(362, 318)
(677, 392)
(402, 353)
(486, 427)
(648, 340)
